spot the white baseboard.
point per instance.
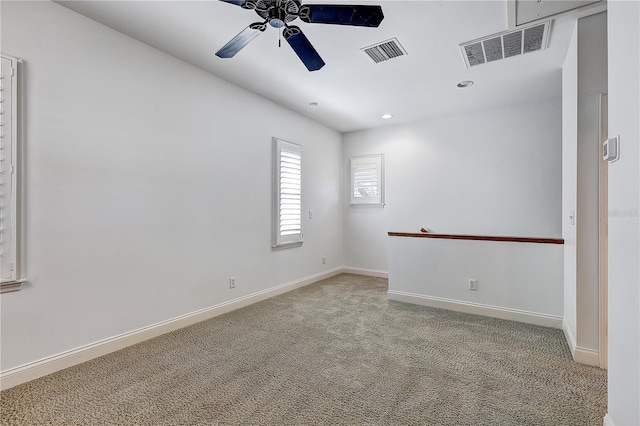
(367, 272)
(587, 356)
(477, 309)
(33, 370)
(580, 355)
(606, 421)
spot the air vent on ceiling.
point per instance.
(385, 50)
(505, 45)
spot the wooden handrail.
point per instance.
(480, 238)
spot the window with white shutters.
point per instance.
(287, 194)
(367, 180)
(8, 176)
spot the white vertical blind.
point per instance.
(287, 227)
(8, 110)
(367, 184)
(290, 193)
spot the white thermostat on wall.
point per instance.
(610, 151)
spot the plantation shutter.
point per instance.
(287, 227)
(8, 110)
(367, 186)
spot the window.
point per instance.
(287, 194)
(367, 180)
(9, 271)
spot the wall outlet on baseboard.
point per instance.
(473, 284)
(232, 282)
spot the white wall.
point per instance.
(624, 207)
(515, 280)
(147, 184)
(494, 172)
(569, 182)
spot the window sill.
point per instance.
(367, 204)
(286, 245)
(10, 286)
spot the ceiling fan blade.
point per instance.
(362, 16)
(241, 40)
(303, 48)
(236, 2)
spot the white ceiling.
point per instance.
(352, 92)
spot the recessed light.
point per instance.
(387, 116)
(465, 83)
(313, 105)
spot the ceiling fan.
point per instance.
(279, 13)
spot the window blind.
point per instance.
(367, 185)
(8, 184)
(287, 227)
(365, 180)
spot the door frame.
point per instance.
(603, 234)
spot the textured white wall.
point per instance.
(569, 178)
(147, 185)
(624, 221)
(494, 172)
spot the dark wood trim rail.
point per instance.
(480, 238)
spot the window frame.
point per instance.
(12, 281)
(278, 240)
(356, 163)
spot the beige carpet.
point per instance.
(333, 353)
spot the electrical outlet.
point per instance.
(232, 282)
(473, 284)
(324, 260)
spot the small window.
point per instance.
(367, 180)
(9, 259)
(287, 194)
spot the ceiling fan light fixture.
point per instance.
(276, 23)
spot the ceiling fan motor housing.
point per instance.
(277, 12)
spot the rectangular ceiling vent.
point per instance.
(505, 45)
(385, 50)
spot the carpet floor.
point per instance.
(336, 352)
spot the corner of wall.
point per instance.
(571, 340)
(606, 421)
(367, 272)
